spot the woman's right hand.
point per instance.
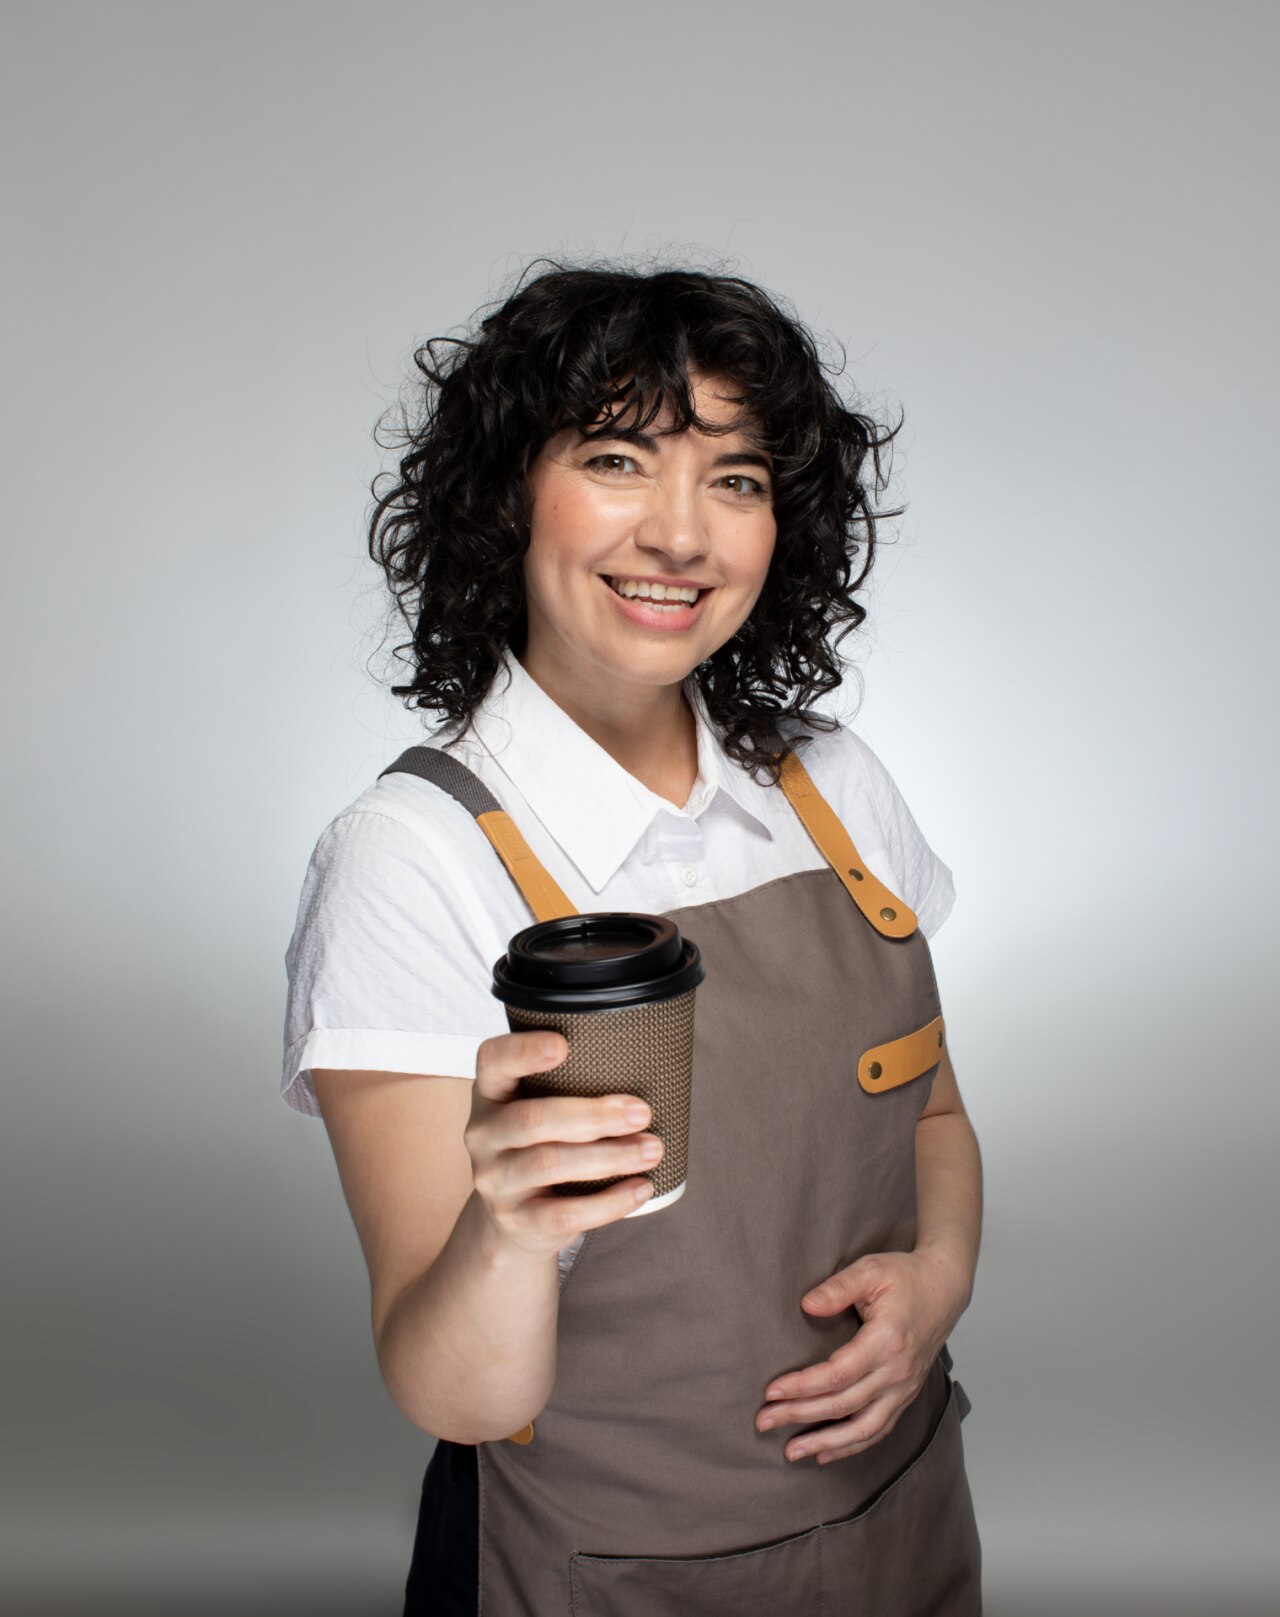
(520, 1145)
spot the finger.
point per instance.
(844, 1289)
(567, 1216)
(847, 1401)
(532, 1120)
(856, 1359)
(848, 1437)
(554, 1162)
(502, 1061)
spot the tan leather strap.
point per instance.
(544, 896)
(901, 1060)
(886, 913)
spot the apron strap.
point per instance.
(544, 896)
(887, 913)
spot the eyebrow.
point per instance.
(642, 440)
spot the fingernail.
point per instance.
(551, 1047)
(775, 1392)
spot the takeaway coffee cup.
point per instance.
(620, 988)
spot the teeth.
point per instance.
(654, 592)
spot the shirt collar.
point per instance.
(595, 809)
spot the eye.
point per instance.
(757, 489)
(596, 460)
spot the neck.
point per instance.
(649, 730)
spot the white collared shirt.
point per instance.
(406, 906)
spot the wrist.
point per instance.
(494, 1250)
(953, 1270)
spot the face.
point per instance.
(691, 507)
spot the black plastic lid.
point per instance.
(596, 962)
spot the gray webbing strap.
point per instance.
(450, 774)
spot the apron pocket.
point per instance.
(765, 1582)
(914, 1549)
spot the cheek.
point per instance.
(573, 526)
(755, 554)
(575, 502)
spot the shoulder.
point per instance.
(864, 795)
(396, 931)
(403, 861)
(404, 812)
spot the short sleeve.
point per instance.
(388, 966)
(924, 881)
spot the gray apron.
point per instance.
(643, 1488)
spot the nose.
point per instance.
(674, 524)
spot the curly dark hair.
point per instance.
(576, 341)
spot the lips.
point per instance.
(649, 616)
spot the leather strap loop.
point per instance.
(900, 1060)
(887, 913)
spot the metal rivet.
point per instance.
(889, 915)
(874, 1070)
(856, 874)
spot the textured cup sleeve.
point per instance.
(389, 963)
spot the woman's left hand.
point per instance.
(909, 1302)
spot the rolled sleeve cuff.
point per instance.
(443, 1055)
(938, 902)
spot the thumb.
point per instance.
(505, 1059)
(846, 1288)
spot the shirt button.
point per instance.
(689, 876)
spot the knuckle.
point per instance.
(895, 1339)
(547, 1158)
(526, 1113)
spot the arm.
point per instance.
(948, 1188)
(464, 1326)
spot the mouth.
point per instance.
(651, 614)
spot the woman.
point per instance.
(741, 1404)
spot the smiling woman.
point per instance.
(663, 521)
(674, 426)
(629, 519)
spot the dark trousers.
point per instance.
(446, 1547)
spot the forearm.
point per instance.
(468, 1352)
(949, 1200)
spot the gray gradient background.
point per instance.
(1049, 233)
